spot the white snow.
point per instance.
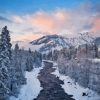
(96, 60)
(99, 48)
(26, 45)
(82, 38)
(32, 88)
(58, 48)
(74, 89)
(47, 61)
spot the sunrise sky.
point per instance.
(31, 19)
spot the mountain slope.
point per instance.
(52, 42)
(57, 42)
(97, 41)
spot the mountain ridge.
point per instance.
(53, 42)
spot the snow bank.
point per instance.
(32, 88)
(47, 61)
(96, 60)
(76, 90)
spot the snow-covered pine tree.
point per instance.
(96, 50)
(29, 61)
(18, 69)
(29, 64)
(29, 50)
(16, 48)
(37, 59)
(5, 57)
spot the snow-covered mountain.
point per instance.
(81, 39)
(57, 42)
(52, 42)
(97, 41)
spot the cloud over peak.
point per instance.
(59, 21)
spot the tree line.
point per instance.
(79, 64)
(13, 65)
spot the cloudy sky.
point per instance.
(31, 19)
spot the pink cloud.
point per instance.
(96, 25)
(26, 36)
(59, 21)
(51, 23)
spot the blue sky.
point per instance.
(31, 19)
(27, 6)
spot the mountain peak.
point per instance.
(51, 42)
(57, 42)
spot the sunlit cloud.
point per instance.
(59, 21)
(96, 25)
(52, 22)
(18, 19)
(26, 37)
(4, 19)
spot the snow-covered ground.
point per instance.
(96, 60)
(32, 88)
(76, 90)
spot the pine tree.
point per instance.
(96, 50)
(29, 64)
(16, 48)
(29, 50)
(37, 59)
(5, 57)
